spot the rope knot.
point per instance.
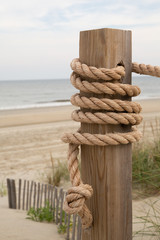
(76, 197)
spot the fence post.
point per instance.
(13, 194)
(107, 169)
(19, 193)
(9, 193)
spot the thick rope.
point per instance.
(97, 73)
(111, 111)
(77, 195)
(106, 118)
(100, 139)
(114, 73)
(146, 69)
(105, 87)
(105, 103)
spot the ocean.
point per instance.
(57, 92)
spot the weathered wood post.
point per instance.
(13, 194)
(9, 193)
(107, 169)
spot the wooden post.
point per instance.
(34, 195)
(19, 194)
(30, 196)
(27, 201)
(9, 193)
(38, 195)
(41, 197)
(61, 207)
(45, 194)
(24, 194)
(79, 229)
(13, 193)
(107, 169)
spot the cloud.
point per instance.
(39, 38)
(48, 15)
(37, 55)
(32, 14)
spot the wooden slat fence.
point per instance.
(24, 194)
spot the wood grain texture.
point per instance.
(107, 169)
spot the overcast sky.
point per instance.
(39, 38)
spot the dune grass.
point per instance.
(57, 172)
(146, 181)
(45, 214)
(150, 221)
(145, 167)
(3, 189)
(146, 164)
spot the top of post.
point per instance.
(105, 29)
(110, 47)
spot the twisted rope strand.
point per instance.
(146, 69)
(106, 104)
(97, 73)
(114, 73)
(105, 87)
(108, 117)
(102, 140)
(77, 195)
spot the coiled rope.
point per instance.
(115, 111)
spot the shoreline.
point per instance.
(29, 116)
(60, 103)
(41, 115)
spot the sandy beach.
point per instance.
(29, 137)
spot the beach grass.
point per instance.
(45, 214)
(57, 172)
(146, 183)
(150, 221)
(146, 164)
(3, 189)
(42, 214)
